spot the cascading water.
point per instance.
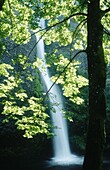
(62, 154)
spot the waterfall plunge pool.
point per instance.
(37, 164)
(66, 161)
(61, 147)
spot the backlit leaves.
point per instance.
(71, 82)
(28, 112)
(15, 21)
(30, 118)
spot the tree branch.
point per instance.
(66, 18)
(36, 43)
(76, 31)
(63, 71)
(49, 27)
(82, 23)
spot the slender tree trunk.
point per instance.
(97, 80)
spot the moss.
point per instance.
(38, 88)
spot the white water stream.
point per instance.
(62, 153)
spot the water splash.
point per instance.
(62, 153)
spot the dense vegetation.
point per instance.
(73, 30)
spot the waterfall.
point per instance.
(62, 153)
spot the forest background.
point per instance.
(72, 29)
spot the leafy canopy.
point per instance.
(65, 26)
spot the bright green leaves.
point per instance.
(55, 12)
(15, 21)
(21, 96)
(78, 45)
(53, 9)
(32, 118)
(11, 110)
(69, 79)
(22, 60)
(7, 82)
(16, 18)
(62, 35)
(8, 85)
(104, 4)
(35, 118)
(4, 69)
(27, 111)
(39, 65)
(106, 21)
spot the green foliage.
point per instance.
(70, 81)
(30, 118)
(66, 26)
(4, 69)
(28, 112)
(14, 21)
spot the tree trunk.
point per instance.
(97, 80)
